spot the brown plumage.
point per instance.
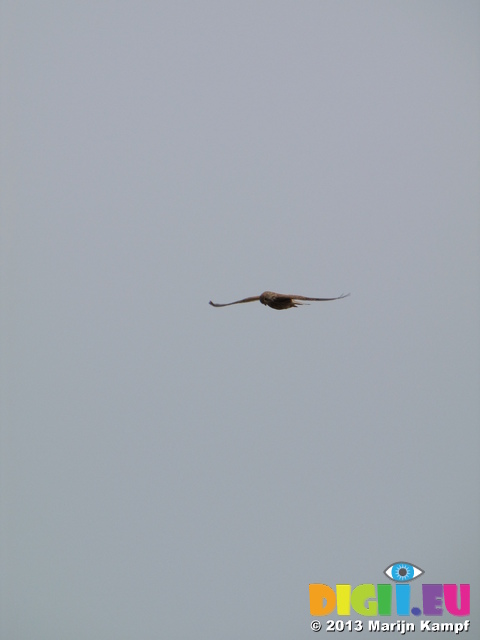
(279, 300)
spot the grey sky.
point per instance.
(170, 470)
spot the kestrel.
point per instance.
(279, 300)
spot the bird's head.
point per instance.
(264, 297)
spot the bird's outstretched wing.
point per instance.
(251, 299)
(344, 295)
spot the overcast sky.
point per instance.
(171, 470)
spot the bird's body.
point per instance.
(279, 301)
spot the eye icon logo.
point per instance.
(403, 572)
(378, 600)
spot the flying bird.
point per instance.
(279, 300)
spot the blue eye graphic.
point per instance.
(403, 572)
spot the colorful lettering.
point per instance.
(450, 595)
(360, 596)
(432, 599)
(384, 594)
(322, 599)
(343, 599)
(402, 595)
